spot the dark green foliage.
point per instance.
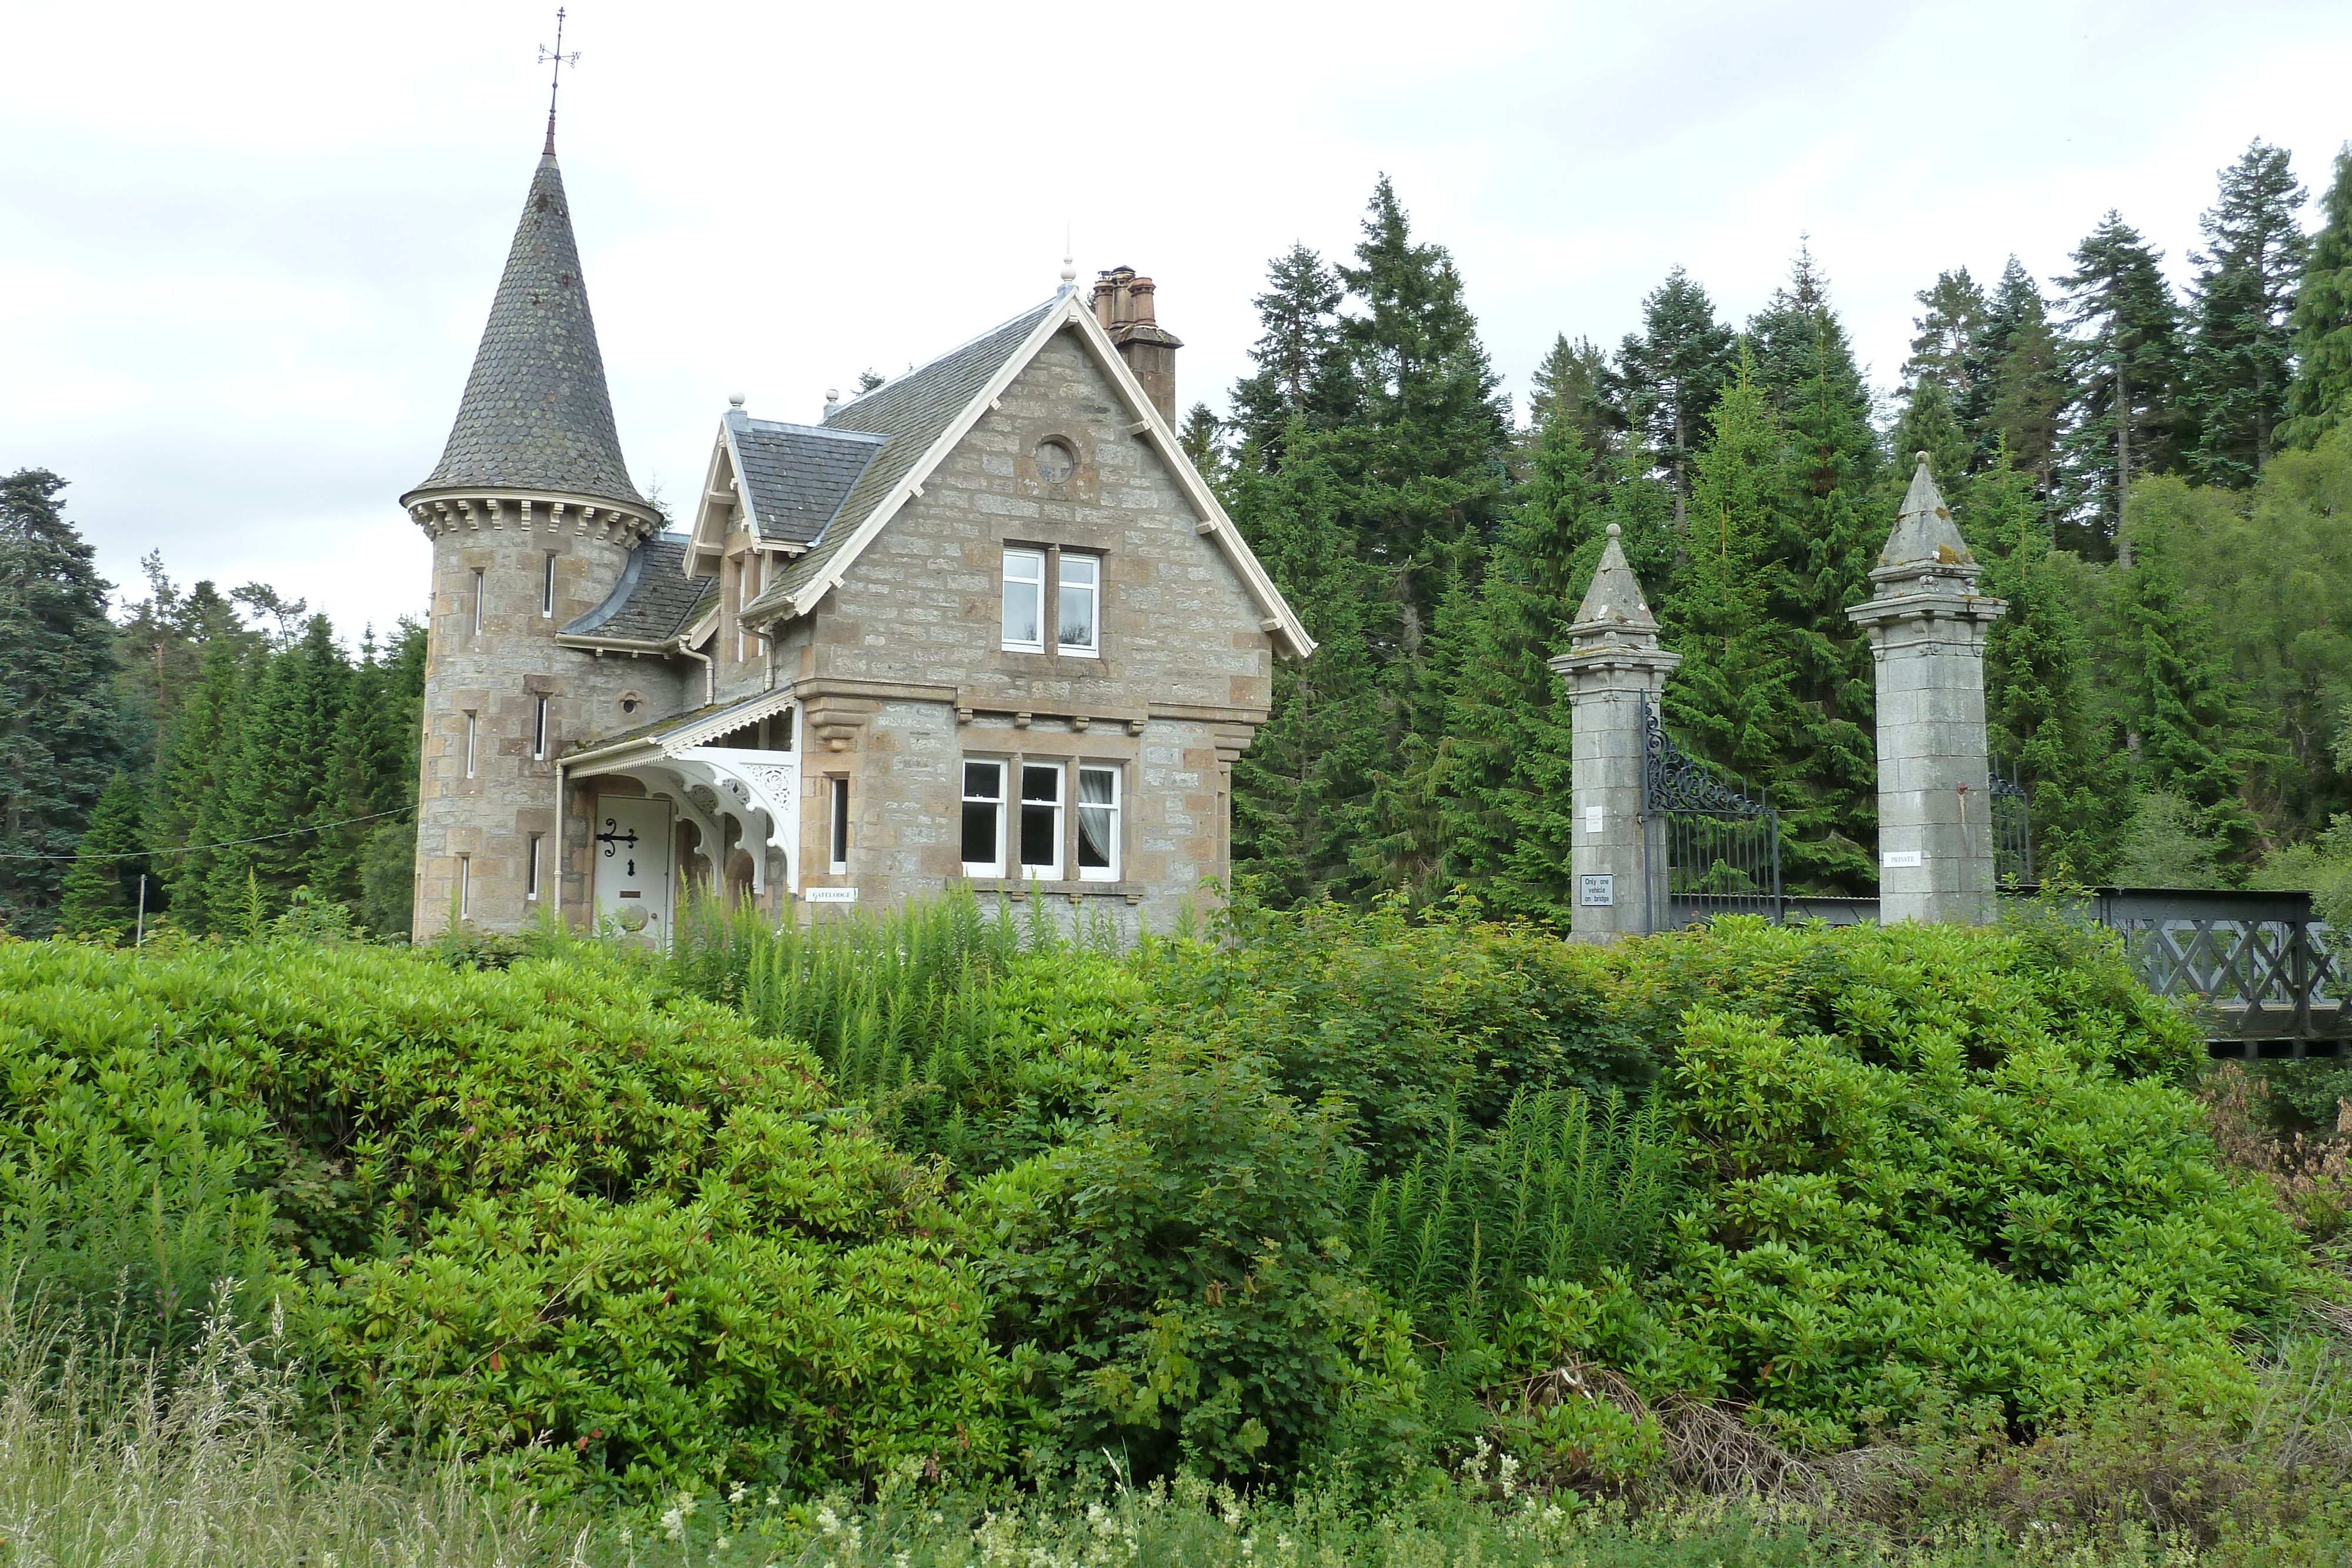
(2233, 394)
(1674, 373)
(1176, 1284)
(101, 890)
(2321, 396)
(2025, 389)
(281, 783)
(2125, 358)
(1301, 373)
(61, 735)
(1949, 348)
(1577, 381)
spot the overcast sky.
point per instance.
(246, 250)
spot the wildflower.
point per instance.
(673, 1524)
(628, 1536)
(773, 1497)
(721, 1544)
(740, 1492)
(828, 1520)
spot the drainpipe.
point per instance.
(558, 836)
(709, 672)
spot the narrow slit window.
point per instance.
(1025, 601)
(1041, 821)
(473, 728)
(547, 589)
(477, 603)
(465, 886)
(1098, 824)
(841, 824)
(538, 733)
(983, 819)
(531, 869)
(1080, 599)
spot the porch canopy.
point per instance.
(692, 761)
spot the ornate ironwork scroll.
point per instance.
(1718, 840)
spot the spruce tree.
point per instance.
(2320, 399)
(281, 787)
(61, 732)
(2188, 730)
(102, 889)
(2125, 358)
(1674, 370)
(1928, 424)
(2041, 714)
(189, 812)
(2239, 360)
(1579, 375)
(2025, 387)
(1203, 440)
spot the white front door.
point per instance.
(631, 839)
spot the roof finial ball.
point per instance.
(1615, 530)
(734, 400)
(1923, 458)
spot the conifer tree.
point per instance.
(2188, 728)
(1203, 440)
(2320, 399)
(1301, 375)
(2125, 363)
(1674, 370)
(102, 889)
(2041, 712)
(1928, 424)
(2239, 364)
(1579, 374)
(61, 733)
(281, 788)
(204, 742)
(1948, 343)
(2025, 388)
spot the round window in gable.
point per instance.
(631, 702)
(1055, 463)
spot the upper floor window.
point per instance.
(1025, 601)
(1081, 590)
(1073, 605)
(547, 589)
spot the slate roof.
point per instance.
(909, 415)
(795, 476)
(662, 727)
(536, 414)
(655, 600)
(1924, 530)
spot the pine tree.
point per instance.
(2025, 388)
(1301, 375)
(61, 733)
(204, 742)
(1674, 370)
(2239, 364)
(2320, 398)
(2125, 361)
(102, 890)
(1947, 347)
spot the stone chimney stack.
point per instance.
(1123, 305)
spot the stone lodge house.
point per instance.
(983, 626)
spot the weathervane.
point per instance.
(556, 79)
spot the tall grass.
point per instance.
(108, 1456)
(906, 1009)
(1563, 1186)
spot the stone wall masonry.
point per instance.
(499, 675)
(1934, 806)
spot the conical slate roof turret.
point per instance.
(536, 414)
(1614, 601)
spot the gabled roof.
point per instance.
(793, 479)
(536, 414)
(924, 413)
(655, 601)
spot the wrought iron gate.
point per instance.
(1720, 844)
(2013, 828)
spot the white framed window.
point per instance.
(840, 825)
(1098, 806)
(531, 869)
(983, 819)
(472, 730)
(465, 886)
(1079, 617)
(538, 733)
(1025, 601)
(477, 603)
(1041, 821)
(546, 587)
